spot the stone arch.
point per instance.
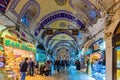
(55, 46)
(86, 45)
(116, 47)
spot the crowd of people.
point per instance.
(31, 68)
(28, 67)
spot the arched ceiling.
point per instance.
(62, 16)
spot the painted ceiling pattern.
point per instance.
(59, 23)
(59, 19)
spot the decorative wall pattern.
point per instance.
(3, 5)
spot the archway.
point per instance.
(116, 52)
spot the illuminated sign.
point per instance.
(14, 44)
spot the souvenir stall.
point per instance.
(40, 56)
(15, 50)
(15, 53)
(98, 60)
(3, 74)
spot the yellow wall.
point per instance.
(51, 6)
(20, 5)
(46, 7)
(57, 23)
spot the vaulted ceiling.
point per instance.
(62, 23)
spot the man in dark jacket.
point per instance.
(57, 64)
(31, 66)
(23, 68)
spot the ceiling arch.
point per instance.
(68, 44)
(85, 6)
(57, 15)
(52, 43)
(60, 33)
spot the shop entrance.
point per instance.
(116, 53)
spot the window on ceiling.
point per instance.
(26, 19)
(93, 14)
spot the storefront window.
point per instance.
(40, 55)
(118, 62)
(97, 56)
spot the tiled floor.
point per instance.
(69, 74)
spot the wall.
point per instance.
(108, 31)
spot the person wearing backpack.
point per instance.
(23, 68)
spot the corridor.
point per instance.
(68, 74)
(40, 36)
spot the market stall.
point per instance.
(15, 53)
(96, 54)
(13, 50)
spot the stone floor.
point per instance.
(68, 74)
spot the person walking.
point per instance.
(36, 67)
(31, 67)
(57, 64)
(23, 68)
(77, 63)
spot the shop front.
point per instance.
(12, 51)
(15, 51)
(96, 61)
(116, 53)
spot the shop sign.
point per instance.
(14, 44)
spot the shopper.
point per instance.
(36, 67)
(57, 64)
(31, 67)
(42, 69)
(23, 68)
(77, 63)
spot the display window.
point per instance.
(13, 58)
